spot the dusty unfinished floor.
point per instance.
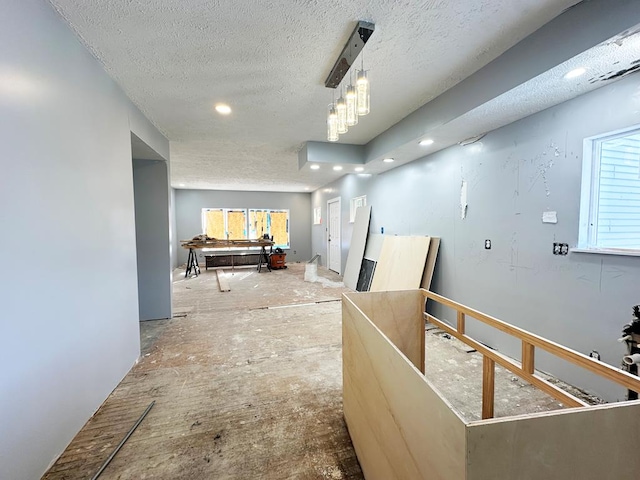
(246, 392)
(241, 392)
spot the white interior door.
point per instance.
(333, 235)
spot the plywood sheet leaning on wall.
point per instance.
(356, 249)
(430, 265)
(374, 246)
(401, 263)
(400, 427)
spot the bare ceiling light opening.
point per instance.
(353, 101)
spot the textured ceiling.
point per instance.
(604, 63)
(269, 60)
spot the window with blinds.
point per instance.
(611, 192)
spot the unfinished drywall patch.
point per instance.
(463, 200)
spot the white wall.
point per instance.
(69, 315)
(581, 300)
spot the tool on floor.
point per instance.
(126, 437)
(631, 336)
(277, 259)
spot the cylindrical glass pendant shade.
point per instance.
(332, 124)
(352, 106)
(362, 87)
(341, 110)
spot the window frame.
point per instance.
(590, 194)
(248, 229)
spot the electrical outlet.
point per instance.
(594, 354)
(560, 248)
(487, 244)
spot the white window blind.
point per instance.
(618, 212)
(610, 203)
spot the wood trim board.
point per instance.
(357, 246)
(223, 283)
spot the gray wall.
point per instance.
(514, 174)
(151, 194)
(173, 235)
(189, 205)
(69, 318)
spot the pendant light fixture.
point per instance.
(332, 124)
(352, 105)
(363, 90)
(341, 110)
(355, 102)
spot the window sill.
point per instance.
(607, 251)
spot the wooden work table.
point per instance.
(193, 245)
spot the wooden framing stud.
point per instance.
(461, 322)
(488, 383)
(528, 357)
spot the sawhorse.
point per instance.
(264, 258)
(192, 264)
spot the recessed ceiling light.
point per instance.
(388, 160)
(181, 184)
(315, 167)
(426, 142)
(223, 109)
(359, 169)
(306, 188)
(576, 72)
(337, 168)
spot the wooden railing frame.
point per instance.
(526, 368)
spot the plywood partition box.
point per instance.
(403, 428)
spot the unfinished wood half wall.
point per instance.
(403, 428)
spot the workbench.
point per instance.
(193, 245)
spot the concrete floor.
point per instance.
(244, 391)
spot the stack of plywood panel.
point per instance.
(379, 262)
